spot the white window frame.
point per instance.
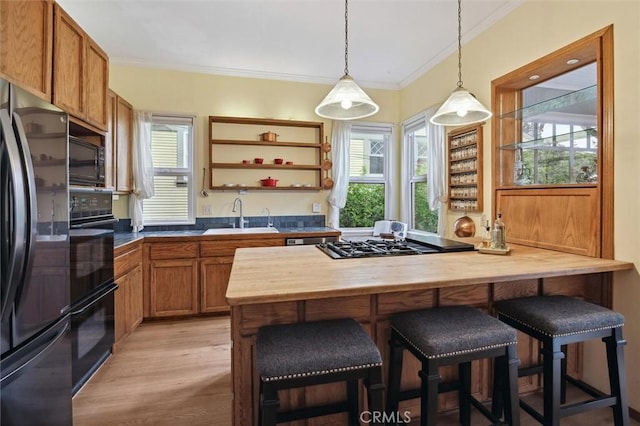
(409, 178)
(389, 171)
(178, 119)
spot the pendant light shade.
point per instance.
(346, 101)
(462, 107)
(459, 109)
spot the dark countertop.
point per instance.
(124, 238)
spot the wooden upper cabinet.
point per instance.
(80, 72)
(26, 39)
(109, 143)
(97, 83)
(123, 145)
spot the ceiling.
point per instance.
(391, 42)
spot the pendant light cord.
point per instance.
(459, 43)
(346, 37)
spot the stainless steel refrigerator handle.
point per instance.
(17, 257)
(30, 191)
(59, 334)
(94, 224)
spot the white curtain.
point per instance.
(142, 168)
(340, 144)
(436, 173)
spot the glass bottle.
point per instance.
(486, 237)
(499, 236)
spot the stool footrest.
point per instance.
(581, 407)
(530, 371)
(585, 387)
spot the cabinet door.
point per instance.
(97, 84)
(123, 140)
(215, 273)
(109, 142)
(173, 287)
(134, 299)
(68, 64)
(26, 40)
(120, 308)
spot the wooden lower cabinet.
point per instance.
(214, 278)
(128, 304)
(186, 278)
(173, 287)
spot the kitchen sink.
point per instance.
(231, 231)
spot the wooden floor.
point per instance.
(175, 373)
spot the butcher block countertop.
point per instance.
(279, 274)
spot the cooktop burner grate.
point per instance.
(373, 248)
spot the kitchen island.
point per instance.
(279, 285)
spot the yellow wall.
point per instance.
(204, 94)
(533, 30)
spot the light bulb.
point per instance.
(461, 112)
(346, 104)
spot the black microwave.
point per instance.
(86, 163)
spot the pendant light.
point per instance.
(462, 107)
(346, 101)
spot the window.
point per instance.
(422, 218)
(172, 151)
(368, 176)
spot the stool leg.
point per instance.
(269, 404)
(352, 401)
(617, 379)
(375, 391)
(509, 386)
(552, 359)
(429, 400)
(464, 404)
(498, 393)
(395, 374)
(563, 375)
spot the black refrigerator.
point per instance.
(35, 362)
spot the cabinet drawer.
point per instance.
(126, 262)
(173, 250)
(228, 247)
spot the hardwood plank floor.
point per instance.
(166, 373)
(175, 373)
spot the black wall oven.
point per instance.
(91, 280)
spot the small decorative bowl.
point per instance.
(289, 163)
(258, 160)
(277, 160)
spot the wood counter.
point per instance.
(278, 285)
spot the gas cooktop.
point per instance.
(376, 248)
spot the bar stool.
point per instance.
(304, 354)
(557, 321)
(447, 336)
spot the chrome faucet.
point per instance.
(53, 215)
(269, 223)
(235, 205)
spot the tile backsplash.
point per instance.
(202, 223)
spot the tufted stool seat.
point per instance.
(557, 321)
(447, 336)
(312, 353)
